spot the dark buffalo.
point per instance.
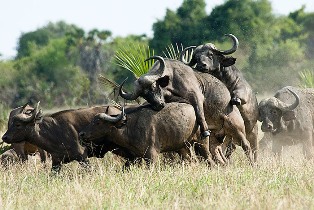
(289, 118)
(58, 133)
(146, 133)
(20, 151)
(173, 81)
(207, 58)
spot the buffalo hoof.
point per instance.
(205, 134)
(236, 101)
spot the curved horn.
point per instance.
(32, 117)
(161, 61)
(109, 118)
(129, 96)
(296, 103)
(234, 47)
(183, 52)
(284, 106)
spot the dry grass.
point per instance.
(271, 185)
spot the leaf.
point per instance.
(133, 58)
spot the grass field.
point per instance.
(273, 184)
(287, 184)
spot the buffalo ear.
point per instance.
(39, 116)
(228, 61)
(163, 81)
(288, 115)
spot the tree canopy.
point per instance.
(59, 63)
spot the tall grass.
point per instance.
(307, 78)
(271, 185)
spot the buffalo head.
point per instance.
(101, 125)
(150, 86)
(273, 113)
(22, 123)
(207, 57)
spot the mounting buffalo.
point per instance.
(207, 58)
(289, 117)
(146, 132)
(58, 133)
(172, 81)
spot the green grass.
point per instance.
(271, 185)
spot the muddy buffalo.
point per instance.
(289, 117)
(173, 81)
(146, 132)
(207, 58)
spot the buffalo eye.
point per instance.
(274, 112)
(18, 125)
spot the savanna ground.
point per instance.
(286, 184)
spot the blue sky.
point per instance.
(121, 17)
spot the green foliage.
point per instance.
(4, 110)
(185, 26)
(133, 59)
(307, 78)
(47, 76)
(41, 37)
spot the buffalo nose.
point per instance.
(4, 137)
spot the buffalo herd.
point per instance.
(204, 104)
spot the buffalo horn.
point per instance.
(161, 61)
(284, 106)
(182, 54)
(128, 96)
(290, 107)
(32, 117)
(109, 118)
(234, 47)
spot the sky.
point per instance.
(121, 17)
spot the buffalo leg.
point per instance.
(252, 138)
(228, 147)
(277, 148)
(43, 155)
(234, 127)
(56, 165)
(308, 146)
(203, 150)
(19, 149)
(197, 104)
(215, 148)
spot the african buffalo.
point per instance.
(146, 132)
(289, 117)
(58, 133)
(173, 81)
(207, 58)
(23, 149)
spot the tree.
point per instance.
(91, 55)
(41, 37)
(46, 75)
(185, 26)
